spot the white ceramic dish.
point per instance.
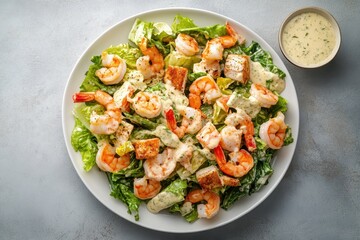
(96, 181)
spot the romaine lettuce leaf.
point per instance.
(139, 30)
(186, 25)
(181, 22)
(257, 54)
(140, 121)
(193, 76)
(190, 217)
(224, 84)
(135, 170)
(126, 52)
(82, 111)
(288, 137)
(263, 172)
(122, 191)
(83, 141)
(219, 115)
(177, 59)
(158, 34)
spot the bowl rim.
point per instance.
(323, 13)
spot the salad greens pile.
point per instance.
(181, 181)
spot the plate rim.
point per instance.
(295, 129)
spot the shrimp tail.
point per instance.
(195, 101)
(170, 118)
(250, 142)
(220, 156)
(83, 97)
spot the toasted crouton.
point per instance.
(147, 148)
(209, 178)
(229, 181)
(237, 67)
(177, 76)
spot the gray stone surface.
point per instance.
(42, 197)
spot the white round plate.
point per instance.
(97, 182)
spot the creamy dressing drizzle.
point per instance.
(259, 75)
(308, 38)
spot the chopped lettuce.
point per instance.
(156, 33)
(219, 115)
(280, 106)
(125, 148)
(83, 141)
(82, 112)
(207, 109)
(139, 30)
(190, 215)
(140, 121)
(288, 137)
(263, 172)
(126, 52)
(181, 22)
(224, 84)
(135, 170)
(122, 190)
(257, 54)
(193, 76)
(186, 25)
(177, 59)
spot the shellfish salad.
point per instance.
(182, 118)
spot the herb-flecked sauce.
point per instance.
(308, 38)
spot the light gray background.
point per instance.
(42, 197)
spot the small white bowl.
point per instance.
(327, 16)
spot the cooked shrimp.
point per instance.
(114, 69)
(161, 166)
(152, 62)
(273, 131)
(147, 104)
(122, 96)
(215, 47)
(209, 136)
(237, 67)
(186, 44)
(191, 121)
(211, 67)
(208, 210)
(171, 122)
(230, 138)
(265, 97)
(107, 123)
(106, 160)
(240, 163)
(222, 102)
(146, 188)
(213, 50)
(240, 118)
(204, 88)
